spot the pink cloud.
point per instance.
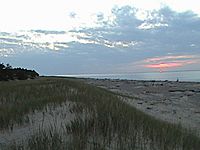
(167, 62)
(166, 58)
(164, 65)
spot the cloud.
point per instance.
(169, 58)
(147, 26)
(167, 65)
(6, 52)
(162, 31)
(72, 15)
(38, 40)
(126, 39)
(169, 62)
(162, 63)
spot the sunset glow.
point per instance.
(164, 65)
(166, 58)
(170, 62)
(91, 37)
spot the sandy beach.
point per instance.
(175, 102)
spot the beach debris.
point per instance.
(149, 108)
(140, 103)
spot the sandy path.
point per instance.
(175, 102)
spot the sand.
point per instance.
(52, 117)
(174, 102)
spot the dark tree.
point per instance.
(8, 66)
(9, 73)
(2, 66)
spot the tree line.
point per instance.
(7, 72)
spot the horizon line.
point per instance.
(125, 73)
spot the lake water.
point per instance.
(171, 76)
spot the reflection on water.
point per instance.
(172, 76)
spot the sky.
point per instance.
(61, 37)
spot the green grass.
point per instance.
(109, 123)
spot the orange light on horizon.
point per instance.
(168, 62)
(162, 66)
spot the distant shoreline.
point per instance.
(192, 76)
(131, 72)
(88, 78)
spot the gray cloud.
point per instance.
(126, 39)
(48, 32)
(168, 30)
(72, 15)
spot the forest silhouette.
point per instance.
(7, 72)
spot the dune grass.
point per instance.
(18, 98)
(102, 120)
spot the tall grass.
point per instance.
(18, 98)
(102, 122)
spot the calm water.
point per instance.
(172, 76)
